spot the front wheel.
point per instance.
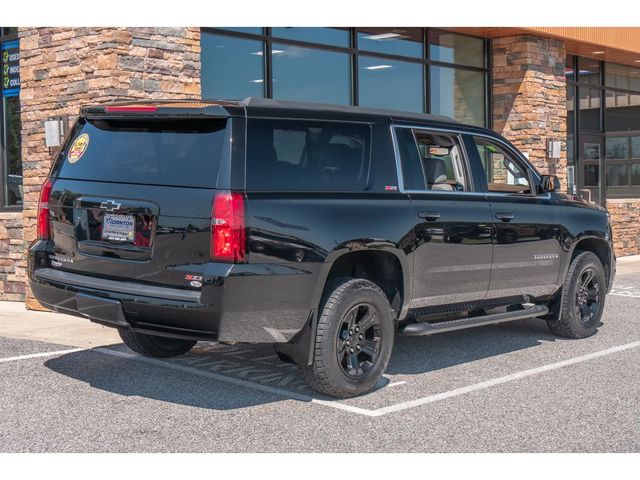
(353, 340)
(583, 296)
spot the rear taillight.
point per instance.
(228, 228)
(44, 231)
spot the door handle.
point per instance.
(505, 216)
(430, 216)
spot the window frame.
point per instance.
(459, 138)
(532, 175)
(354, 52)
(4, 184)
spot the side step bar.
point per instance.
(424, 328)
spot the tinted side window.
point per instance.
(505, 174)
(431, 160)
(307, 155)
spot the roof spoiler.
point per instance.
(160, 109)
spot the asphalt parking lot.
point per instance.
(506, 388)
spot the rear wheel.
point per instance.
(353, 339)
(583, 296)
(153, 345)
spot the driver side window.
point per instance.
(504, 173)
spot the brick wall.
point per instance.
(12, 260)
(529, 94)
(625, 222)
(64, 68)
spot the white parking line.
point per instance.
(384, 410)
(624, 295)
(236, 381)
(500, 380)
(38, 355)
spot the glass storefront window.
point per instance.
(309, 74)
(328, 36)
(458, 94)
(617, 175)
(394, 41)
(571, 106)
(622, 111)
(232, 68)
(589, 109)
(617, 148)
(569, 69)
(591, 176)
(253, 30)
(391, 84)
(13, 161)
(589, 71)
(621, 76)
(635, 147)
(635, 174)
(454, 48)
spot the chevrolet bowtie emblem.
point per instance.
(110, 205)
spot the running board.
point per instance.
(424, 328)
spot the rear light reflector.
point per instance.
(228, 228)
(132, 108)
(44, 229)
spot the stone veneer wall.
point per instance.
(64, 68)
(12, 259)
(625, 222)
(529, 94)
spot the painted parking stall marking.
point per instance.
(624, 291)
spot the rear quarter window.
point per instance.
(181, 152)
(307, 155)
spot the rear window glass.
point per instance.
(307, 155)
(177, 152)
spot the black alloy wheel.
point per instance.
(359, 341)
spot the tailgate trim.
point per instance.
(74, 279)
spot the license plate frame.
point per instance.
(118, 227)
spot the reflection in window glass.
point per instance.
(591, 176)
(570, 150)
(589, 109)
(569, 69)
(455, 48)
(232, 68)
(622, 111)
(254, 30)
(589, 71)
(617, 148)
(617, 175)
(329, 36)
(391, 84)
(635, 147)
(621, 76)
(458, 94)
(13, 192)
(309, 74)
(635, 174)
(395, 41)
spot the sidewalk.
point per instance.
(630, 264)
(18, 322)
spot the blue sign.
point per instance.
(10, 64)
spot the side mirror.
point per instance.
(549, 183)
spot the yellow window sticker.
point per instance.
(78, 148)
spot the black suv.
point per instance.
(324, 230)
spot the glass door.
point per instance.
(591, 172)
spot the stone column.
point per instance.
(529, 97)
(64, 68)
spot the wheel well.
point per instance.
(599, 248)
(382, 268)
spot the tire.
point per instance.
(582, 304)
(154, 346)
(340, 368)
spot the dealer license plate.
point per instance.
(119, 227)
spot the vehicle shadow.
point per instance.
(418, 355)
(187, 380)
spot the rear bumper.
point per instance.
(248, 303)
